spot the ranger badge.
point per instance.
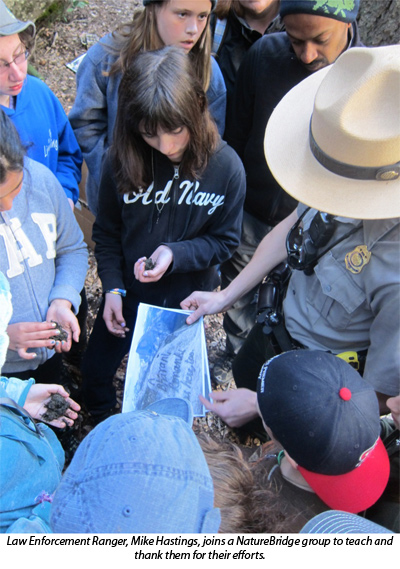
(357, 259)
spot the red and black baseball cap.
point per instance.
(327, 419)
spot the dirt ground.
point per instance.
(58, 43)
(61, 41)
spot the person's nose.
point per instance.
(308, 53)
(192, 26)
(15, 72)
(165, 145)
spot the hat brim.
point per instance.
(334, 521)
(17, 27)
(289, 157)
(175, 407)
(357, 490)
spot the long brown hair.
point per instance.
(28, 40)
(141, 35)
(160, 90)
(223, 8)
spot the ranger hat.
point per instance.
(333, 142)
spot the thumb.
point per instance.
(194, 316)
(22, 352)
(119, 317)
(219, 396)
(75, 329)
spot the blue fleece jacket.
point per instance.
(42, 123)
(95, 109)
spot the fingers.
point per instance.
(197, 302)
(190, 303)
(74, 406)
(62, 422)
(55, 388)
(207, 404)
(139, 268)
(75, 330)
(194, 316)
(115, 327)
(70, 414)
(113, 316)
(26, 355)
(63, 346)
(162, 258)
(220, 396)
(147, 275)
(25, 335)
(217, 397)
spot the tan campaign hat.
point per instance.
(333, 142)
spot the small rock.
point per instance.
(149, 264)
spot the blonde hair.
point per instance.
(248, 501)
(142, 35)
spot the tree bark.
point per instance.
(379, 22)
(28, 9)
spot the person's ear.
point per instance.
(292, 462)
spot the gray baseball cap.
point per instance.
(9, 24)
(138, 472)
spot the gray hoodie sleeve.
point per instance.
(42, 253)
(71, 262)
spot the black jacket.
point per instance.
(200, 221)
(269, 70)
(237, 40)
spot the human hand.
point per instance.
(60, 311)
(394, 405)
(113, 316)
(39, 395)
(236, 407)
(25, 335)
(71, 203)
(203, 303)
(162, 257)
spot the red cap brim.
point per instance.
(357, 490)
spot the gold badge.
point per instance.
(357, 259)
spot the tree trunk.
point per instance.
(28, 9)
(379, 22)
